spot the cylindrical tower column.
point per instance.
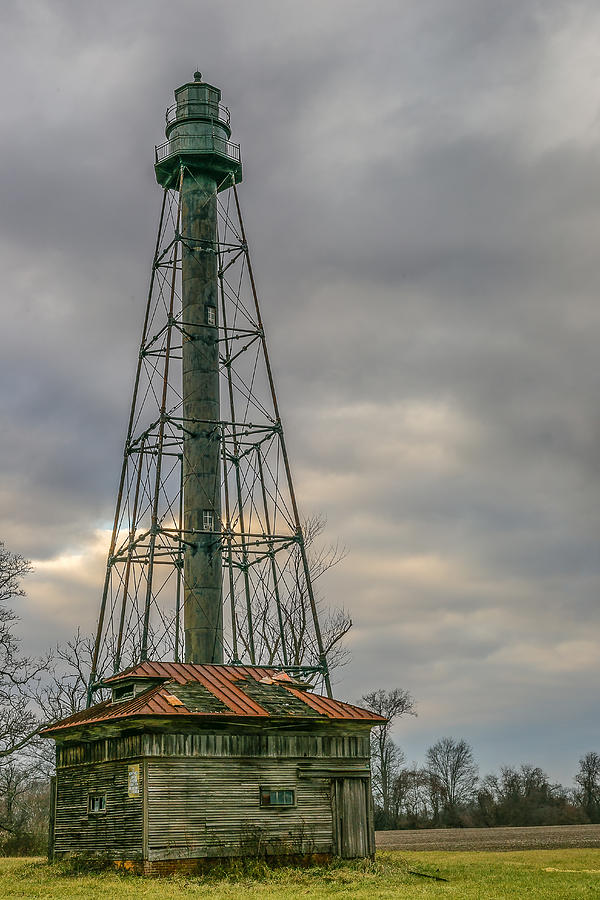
(203, 609)
(200, 158)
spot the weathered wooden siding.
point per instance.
(118, 831)
(266, 745)
(211, 808)
(199, 794)
(104, 750)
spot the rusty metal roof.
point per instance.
(214, 691)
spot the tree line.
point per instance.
(447, 791)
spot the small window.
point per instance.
(96, 803)
(277, 798)
(208, 519)
(211, 315)
(123, 693)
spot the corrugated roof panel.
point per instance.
(222, 681)
(217, 679)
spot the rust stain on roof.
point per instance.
(224, 684)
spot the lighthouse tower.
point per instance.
(205, 734)
(199, 159)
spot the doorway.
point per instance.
(352, 811)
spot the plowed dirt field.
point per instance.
(537, 838)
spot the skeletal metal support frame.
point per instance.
(206, 517)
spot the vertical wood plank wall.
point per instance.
(352, 803)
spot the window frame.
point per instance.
(121, 693)
(211, 313)
(211, 514)
(270, 805)
(100, 795)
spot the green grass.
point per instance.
(529, 874)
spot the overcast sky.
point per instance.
(422, 198)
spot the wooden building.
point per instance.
(189, 763)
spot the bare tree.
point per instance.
(300, 641)
(453, 772)
(61, 693)
(411, 795)
(23, 809)
(33, 692)
(386, 756)
(64, 691)
(588, 780)
(18, 674)
(15, 782)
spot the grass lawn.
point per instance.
(522, 874)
